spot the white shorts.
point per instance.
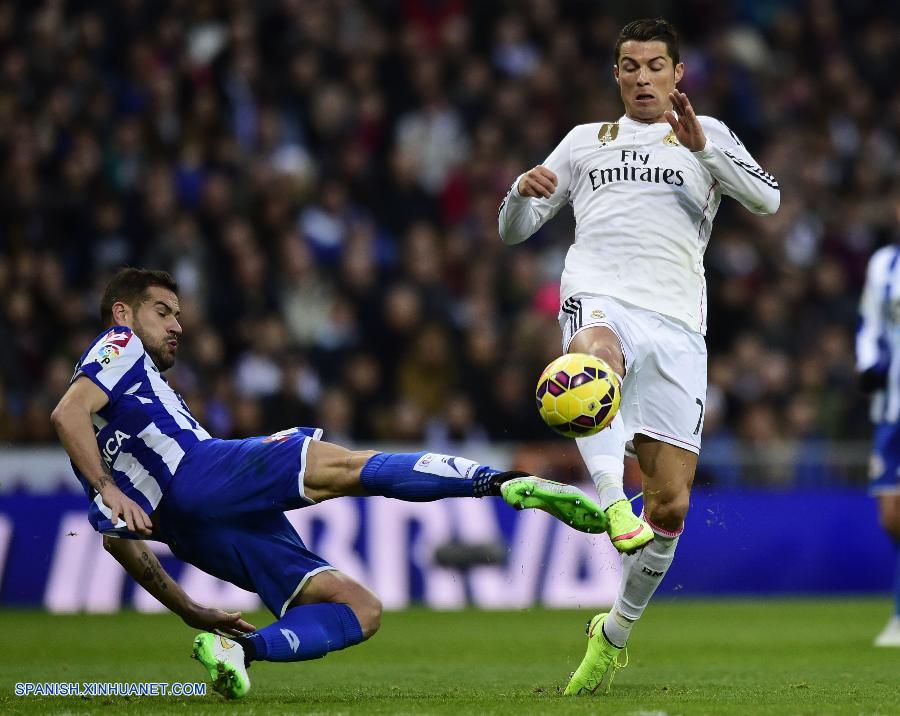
(664, 387)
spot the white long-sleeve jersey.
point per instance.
(644, 207)
(878, 333)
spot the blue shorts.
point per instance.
(223, 512)
(884, 465)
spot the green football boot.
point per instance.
(566, 503)
(627, 531)
(224, 660)
(600, 663)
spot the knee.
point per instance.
(367, 608)
(333, 471)
(669, 513)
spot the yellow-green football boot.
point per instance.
(224, 660)
(626, 531)
(600, 663)
(566, 503)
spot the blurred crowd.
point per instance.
(322, 178)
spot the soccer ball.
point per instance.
(578, 395)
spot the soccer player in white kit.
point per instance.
(644, 189)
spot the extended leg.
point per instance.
(333, 471)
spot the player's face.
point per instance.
(646, 76)
(156, 323)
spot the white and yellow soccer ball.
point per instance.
(578, 395)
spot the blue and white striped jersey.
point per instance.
(143, 432)
(878, 332)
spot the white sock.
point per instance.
(604, 454)
(642, 573)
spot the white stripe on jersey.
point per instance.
(139, 477)
(167, 398)
(169, 450)
(107, 513)
(891, 406)
(133, 389)
(878, 335)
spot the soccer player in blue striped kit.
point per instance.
(878, 363)
(152, 471)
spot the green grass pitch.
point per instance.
(687, 657)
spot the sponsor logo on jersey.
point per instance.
(119, 338)
(598, 314)
(112, 344)
(670, 141)
(608, 133)
(112, 446)
(107, 352)
(635, 168)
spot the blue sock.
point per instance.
(425, 476)
(306, 632)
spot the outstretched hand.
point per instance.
(684, 122)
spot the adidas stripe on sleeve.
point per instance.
(738, 174)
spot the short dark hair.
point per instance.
(129, 286)
(650, 30)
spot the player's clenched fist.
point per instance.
(539, 182)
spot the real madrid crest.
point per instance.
(669, 140)
(608, 133)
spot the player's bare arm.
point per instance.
(72, 420)
(538, 183)
(143, 565)
(684, 122)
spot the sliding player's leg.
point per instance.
(223, 479)
(333, 471)
(668, 473)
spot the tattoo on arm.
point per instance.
(153, 571)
